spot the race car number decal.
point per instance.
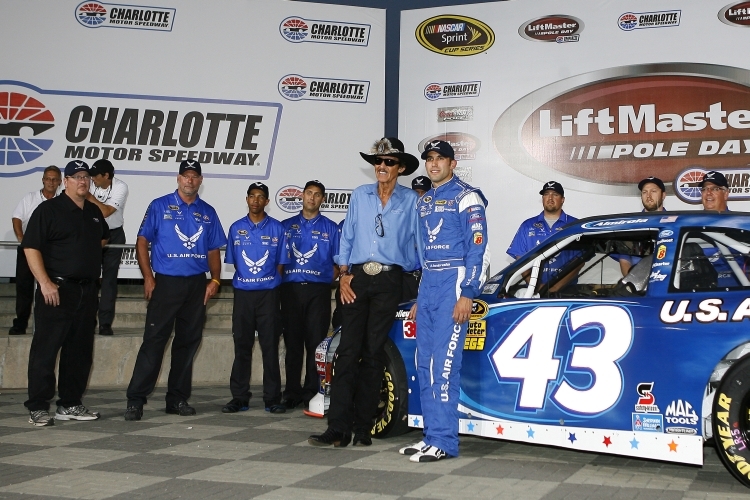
(526, 355)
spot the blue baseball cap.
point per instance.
(75, 166)
(441, 147)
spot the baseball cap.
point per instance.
(421, 182)
(190, 165)
(652, 180)
(554, 186)
(102, 167)
(75, 166)
(441, 147)
(713, 177)
(258, 185)
(316, 183)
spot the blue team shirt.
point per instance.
(256, 250)
(532, 233)
(311, 245)
(181, 235)
(359, 241)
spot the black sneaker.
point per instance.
(275, 408)
(180, 408)
(133, 413)
(331, 437)
(17, 331)
(362, 438)
(105, 330)
(292, 403)
(235, 405)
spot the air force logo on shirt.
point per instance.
(432, 233)
(255, 266)
(303, 258)
(188, 241)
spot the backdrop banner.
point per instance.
(595, 95)
(282, 92)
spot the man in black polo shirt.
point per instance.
(63, 246)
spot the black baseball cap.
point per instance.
(258, 185)
(102, 167)
(75, 166)
(190, 165)
(652, 180)
(421, 182)
(316, 183)
(554, 186)
(713, 177)
(441, 147)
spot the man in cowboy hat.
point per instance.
(377, 243)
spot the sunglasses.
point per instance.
(388, 162)
(379, 230)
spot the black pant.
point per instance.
(256, 310)
(110, 266)
(176, 303)
(24, 291)
(410, 286)
(306, 313)
(360, 358)
(69, 326)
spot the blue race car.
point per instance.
(649, 365)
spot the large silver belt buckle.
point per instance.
(372, 268)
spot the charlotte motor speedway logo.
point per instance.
(289, 199)
(298, 30)
(608, 129)
(687, 183)
(146, 135)
(109, 15)
(434, 91)
(630, 21)
(308, 88)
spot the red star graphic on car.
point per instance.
(499, 429)
(607, 441)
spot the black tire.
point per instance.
(731, 420)
(393, 410)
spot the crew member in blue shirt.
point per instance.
(312, 241)
(535, 230)
(453, 230)
(377, 244)
(714, 196)
(185, 235)
(653, 194)
(257, 248)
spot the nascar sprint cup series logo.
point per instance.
(455, 35)
(146, 135)
(298, 30)
(736, 14)
(309, 88)
(608, 129)
(111, 15)
(289, 199)
(554, 28)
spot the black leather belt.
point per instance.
(59, 280)
(372, 268)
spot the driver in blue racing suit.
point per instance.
(453, 234)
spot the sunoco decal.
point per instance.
(289, 199)
(736, 14)
(465, 146)
(111, 15)
(608, 129)
(687, 183)
(455, 35)
(641, 20)
(455, 114)
(435, 91)
(555, 28)
(233, 139)
(298, 30)
(310, 88)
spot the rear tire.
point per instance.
(393, 409)
(731, 420)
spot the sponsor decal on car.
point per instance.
(476, 333)
(454, 35)
(681, 412)
(646, 422)
(607, 224)
(666, 233)
(410, 329)
(111, 15)
(736, 14)
(646, 399)
(553, 28)
(455, 114)
(465, 146)
(670, 114)
(661, 252)
(297, 30)
(708, 311)
(657, 276)
(641, 20)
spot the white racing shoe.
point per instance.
(429, 454)
(413, 448)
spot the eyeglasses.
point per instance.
(388, 162)
(712, 189)
(79, 178)
(379, 230)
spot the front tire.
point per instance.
(731, 420)
(393, 410)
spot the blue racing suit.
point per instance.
(455, 258)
